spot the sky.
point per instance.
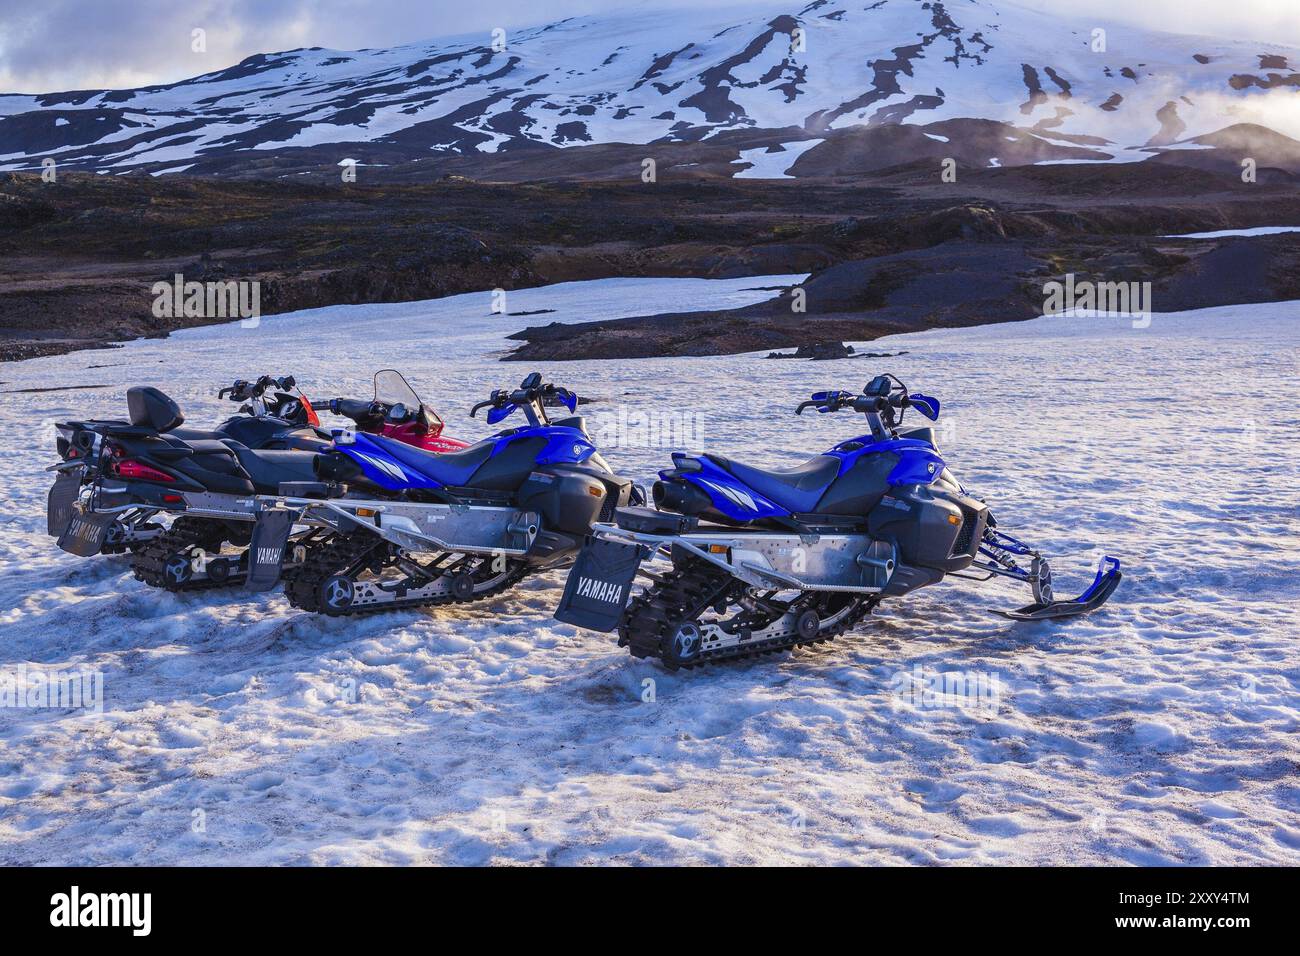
(56, 45)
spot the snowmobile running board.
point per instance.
(848, 563)
(1102, 587)
(411, 526)
(416, 527)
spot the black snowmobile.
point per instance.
(273, 414)
(141, 466)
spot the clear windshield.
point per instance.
(392, 389)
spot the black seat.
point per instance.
(925, 434)
(268, 469)
(795, 489)
(193, 434)
(201, 446)
(578, 422)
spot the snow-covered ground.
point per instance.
(1225, 233)
(765, 164)
(1163, 729)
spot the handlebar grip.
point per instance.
(474, 411)
(354, 409)
(870, 403)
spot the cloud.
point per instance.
(55, 45)
(1267, 21)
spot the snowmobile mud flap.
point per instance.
(61, 503)
(266, 549)
(1102, 587)
(599, 584)
(85, 533)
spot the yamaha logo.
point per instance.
(600, 591)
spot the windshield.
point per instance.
(392, 389)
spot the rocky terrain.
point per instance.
(903, 250)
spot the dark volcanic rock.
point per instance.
(951, 284)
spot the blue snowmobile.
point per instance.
(403, 527)
(765, 560)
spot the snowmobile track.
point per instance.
(302, 585)
(684, 593)
(149, 562)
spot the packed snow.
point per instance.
(767, 163)
(1228, 233)
(1160, 730)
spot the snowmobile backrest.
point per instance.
(150, 408)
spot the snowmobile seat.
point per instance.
(212, 465)
(203, 446)
(922, 434)
(576, 422)
(795, 489)
(449, 468)
(268, 469)
(192, 434)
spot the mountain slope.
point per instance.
(636, 76)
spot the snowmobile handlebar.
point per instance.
(361, 411)
(864, 404)
(531, 392)
(883, 401)
(243, 391)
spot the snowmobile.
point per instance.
(762, 560)
(143, 467)
(282, 419)
(417, 529)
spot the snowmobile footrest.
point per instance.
(1102, 587)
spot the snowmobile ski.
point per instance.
(1102, 587)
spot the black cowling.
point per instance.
(150, 408)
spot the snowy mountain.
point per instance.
(799, 74)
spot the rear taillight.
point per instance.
(130, 468)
